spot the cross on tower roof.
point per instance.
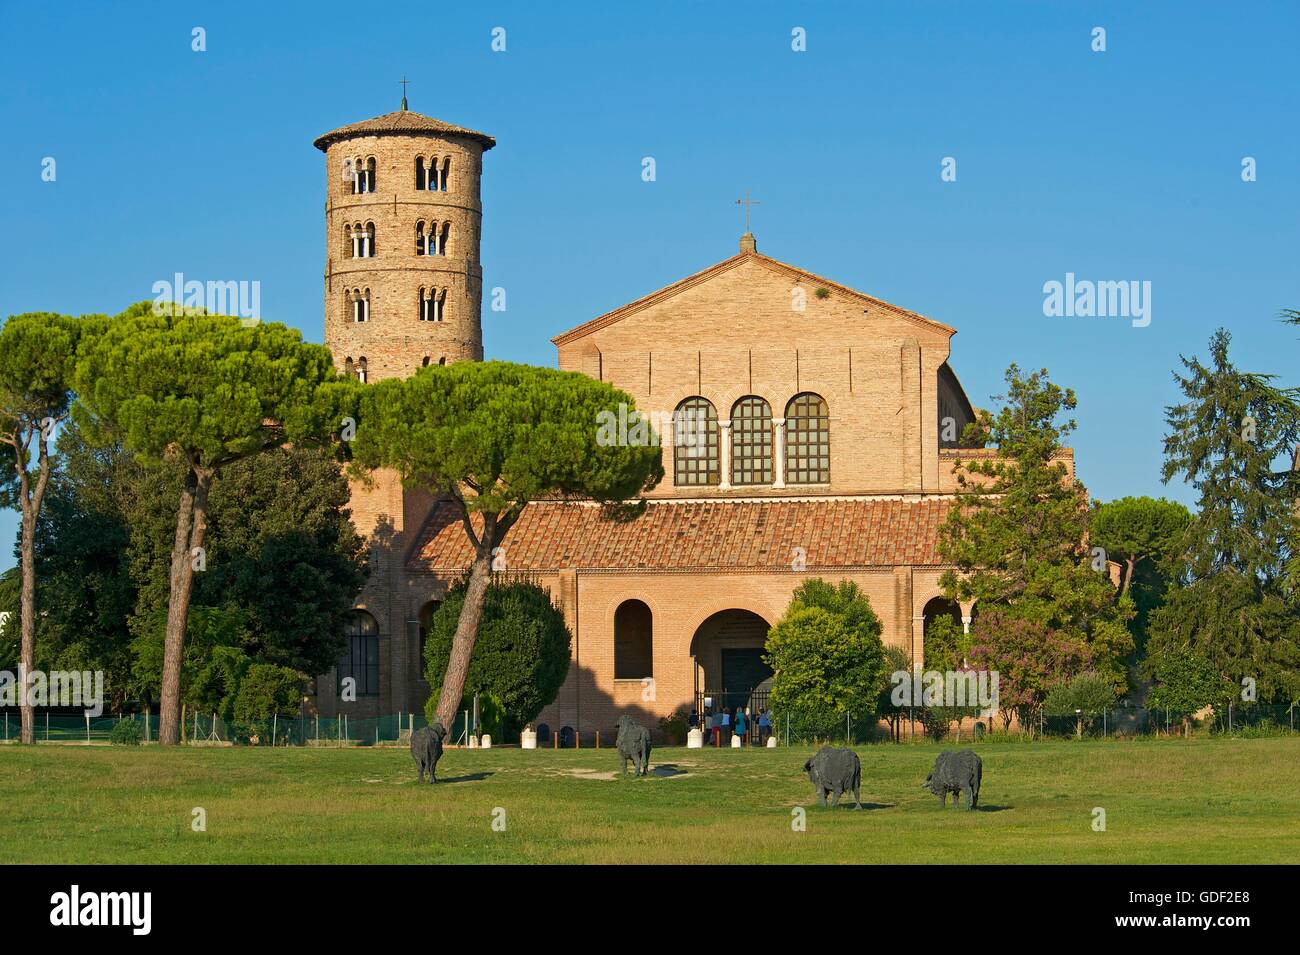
(404, 82)
(747, 202)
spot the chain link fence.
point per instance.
(918, 723)
(212, 730)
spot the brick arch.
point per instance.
(769, 616)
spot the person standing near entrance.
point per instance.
(764, 726)
(724, 738)
(741, 724)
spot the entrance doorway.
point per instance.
(730, 672)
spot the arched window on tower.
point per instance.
(359, 302)
(360, 662)
(444, 176)
(432, 301)
(421, 176)
(807, 440)
(695, 443)
(751, 441)
(363, 178)
(361, 369)
(362, 240)
(425, 363)
(633, 641)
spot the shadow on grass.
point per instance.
(468, 778)
(667, 771)
(849, 805)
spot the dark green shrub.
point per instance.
(520, 658)
(126, 733)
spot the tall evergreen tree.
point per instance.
(1233, 439)
(1018, 529)
(37, 352)
(210, 391)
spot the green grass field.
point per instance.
(1167, 801)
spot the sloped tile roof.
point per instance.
(712, 535)
(402, 122)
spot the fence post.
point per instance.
(87, 729)
(47, 726)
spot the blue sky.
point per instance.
(1122, 165)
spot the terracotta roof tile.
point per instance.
(718, 535)
(402, 122)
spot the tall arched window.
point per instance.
(360, 660)
(362, 240)
(695, 443)
(421, 177)
(751, 441)
(359, 303)
(807, 440)
(363, 179)
(633, 641)
(432, 302)
(435, 239)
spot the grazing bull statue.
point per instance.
(426, 749)
(633, 743)
(837, 771)
(956, 772)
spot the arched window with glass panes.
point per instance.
(360, 662)
(695, 443)
(751, 441)
(807, 440)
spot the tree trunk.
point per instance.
(31, 505)
(1128, 576)
(190, 527)
(462, 644)
(27, 625)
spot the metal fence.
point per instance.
(214, 731)
(1120, 721)
(1237, 719)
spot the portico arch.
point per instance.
(727, 650)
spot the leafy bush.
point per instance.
(126, 733)
(520, 659)
(827, 658)
(1084, 696)
(267, 690)
(674, 728)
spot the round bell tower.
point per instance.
(403, 216)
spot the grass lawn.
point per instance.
(1168, 801)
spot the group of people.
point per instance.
(722, 724)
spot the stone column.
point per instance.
(779, 441)
(724, 454)
(967, 615)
